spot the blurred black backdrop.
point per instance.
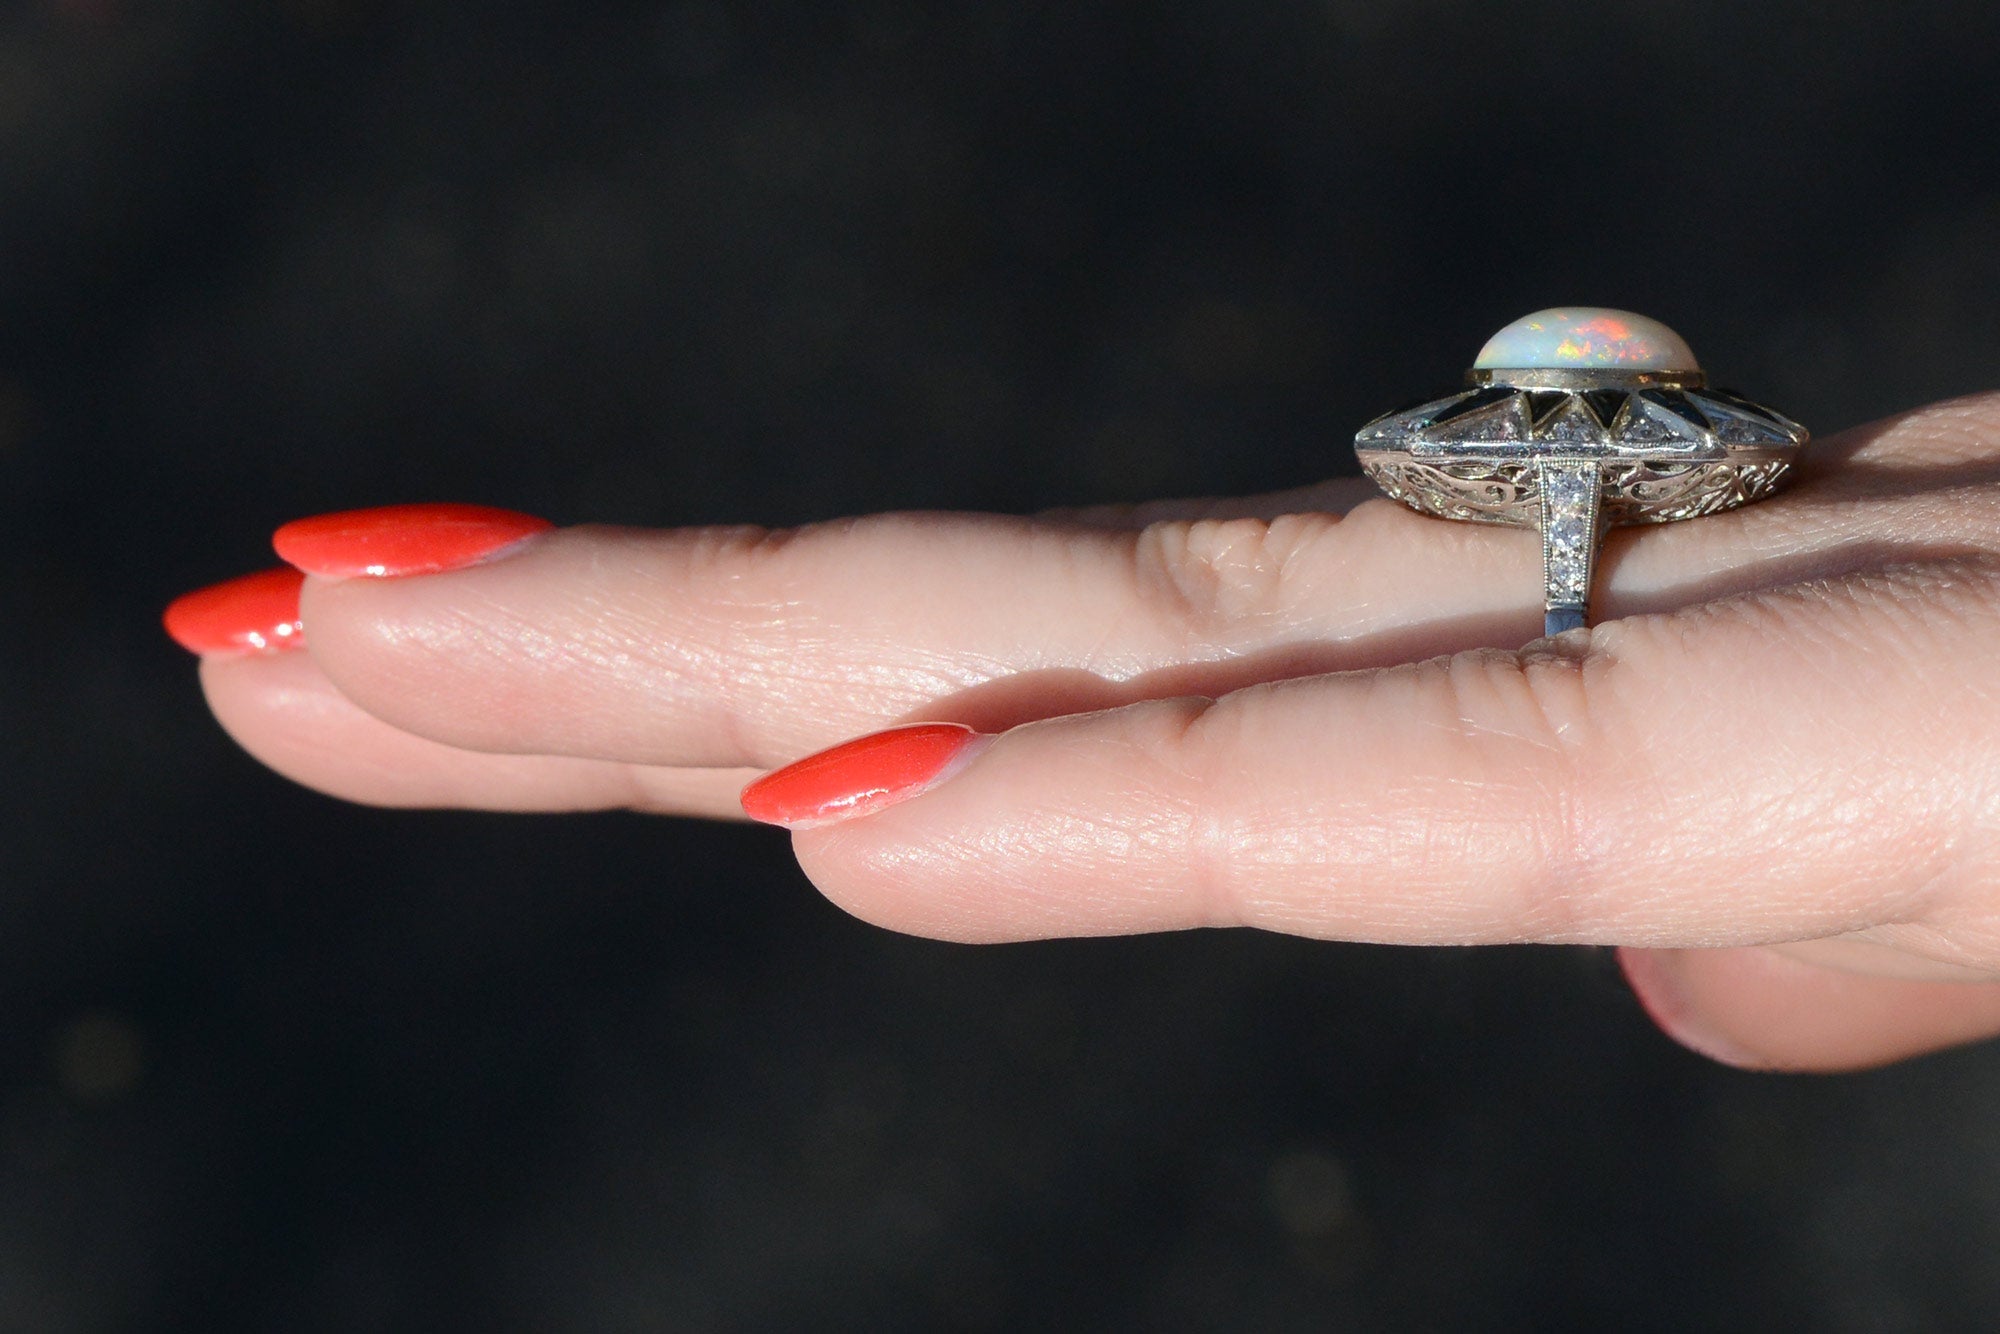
(270, 1062)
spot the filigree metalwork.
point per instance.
(1478, 489)
(1641, 492)
(1485, 491)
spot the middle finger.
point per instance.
(734, 647)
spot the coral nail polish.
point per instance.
(258, 613)
(862, 775)
(397, 540)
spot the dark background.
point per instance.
(272, 1062)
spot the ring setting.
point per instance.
(1573, 420)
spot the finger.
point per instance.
(1956, 433)
(729, 647)
(291, 716)
(1335, 496)
(284, 711)
(1787, 766)
(737, 646)
(1769, 1009)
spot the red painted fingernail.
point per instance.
(258, 613)
(862, 775)
(403, 539)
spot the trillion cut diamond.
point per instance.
(1572, 424)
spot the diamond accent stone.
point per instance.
(1573, 425)
(1571, 492)
(1504, 422)
(1394, 426)
(1647, 424)
(1650, 428)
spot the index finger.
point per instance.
(1775, 767)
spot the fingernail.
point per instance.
(863, 775)
(258, 613)
(397, 540)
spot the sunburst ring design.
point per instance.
(1574, 448)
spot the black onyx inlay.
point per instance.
(1545, 403)
(1473, 402)
(1394, 413)
(1742, 404)
(1605, 403)
(1410, 406)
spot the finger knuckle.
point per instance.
(1534, 729)
(1218, 580)
(1957, 431)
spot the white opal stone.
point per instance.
(1585, 338)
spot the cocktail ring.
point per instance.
(1573, 420)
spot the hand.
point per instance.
(1772, 773)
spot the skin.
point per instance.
(1771, 773)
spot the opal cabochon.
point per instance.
(1585, 337)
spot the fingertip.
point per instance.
(1656, 984)
(1057, 828)
(288, 716)
(1765, 1008)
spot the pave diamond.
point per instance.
(1570, 495)
(1502, 422)
(1574, 424)
(1393, 426)
(1647, 423)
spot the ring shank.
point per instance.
(1571, 520)
(1559, 620)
